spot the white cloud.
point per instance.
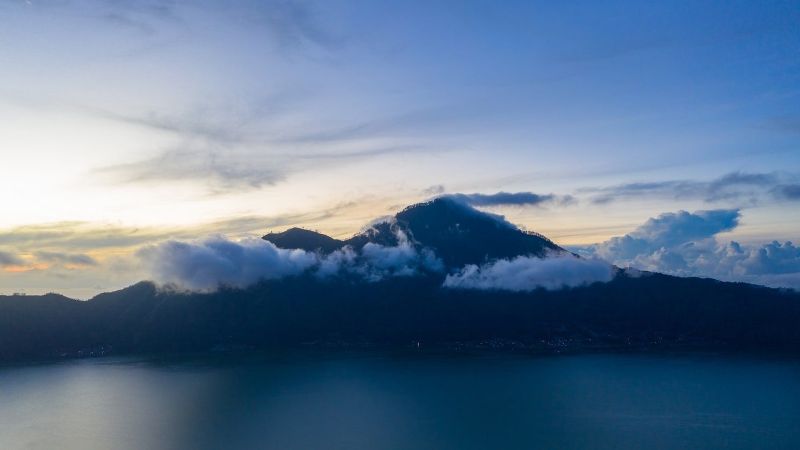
(215, 262)
(205, 265)
(685, 244)
(667, 231)
(530, 273)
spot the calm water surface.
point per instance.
(379, 401)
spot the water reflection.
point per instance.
(379, 401)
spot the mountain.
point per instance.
(304, 239)
(459, 234)
(644, 311)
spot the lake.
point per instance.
(363, 400)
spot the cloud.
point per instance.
(402, 260)
(222, 171)
(10, 259)
(375, 262)
(290, 25)
(686, 244)
(237, 147)
(206, 265)
(788, 191)
(530, 273)
(436, 189)
(71, 259)
(734, 187)
(509, 198)
(242, 145)
(209, 264)
(666, 231)
(145, 17)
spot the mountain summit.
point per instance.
(304, 239)
(456, 232)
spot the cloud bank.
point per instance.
(207, 265)
(736, 187)
(525, 273)
(686, 244)
(512, 199)
(668, 230)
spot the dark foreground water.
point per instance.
(375, 401)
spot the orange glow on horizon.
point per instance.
(26, 268)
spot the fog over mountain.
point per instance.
(209, 264)
(408, 244)
(526, 273)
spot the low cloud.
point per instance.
(10, 259)
(512, 199)
(667, 231)
(206, 265)
(530, 273)
(686, 244)
(736, 187)
(215, 262)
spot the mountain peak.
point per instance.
(304, 239)
(460, 234)
(449, 210)
(456, 232)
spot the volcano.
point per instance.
(456, 232)
(411, 309)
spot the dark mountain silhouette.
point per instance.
(304, 239)
(645, 311)
(456, 232)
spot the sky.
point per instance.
(128, 123)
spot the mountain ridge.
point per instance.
(632, 310)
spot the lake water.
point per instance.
(377, 401)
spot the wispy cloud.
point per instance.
(82, 237)
(220, 171)
(436, 189)
(736, 187)
(291, 24)
(235, 170)
(69, 259)
(145, 17)
(10, 259)
(512, 199)
(787, 191)
(238, 147)
(45, 260)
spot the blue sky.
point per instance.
(128, 122)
